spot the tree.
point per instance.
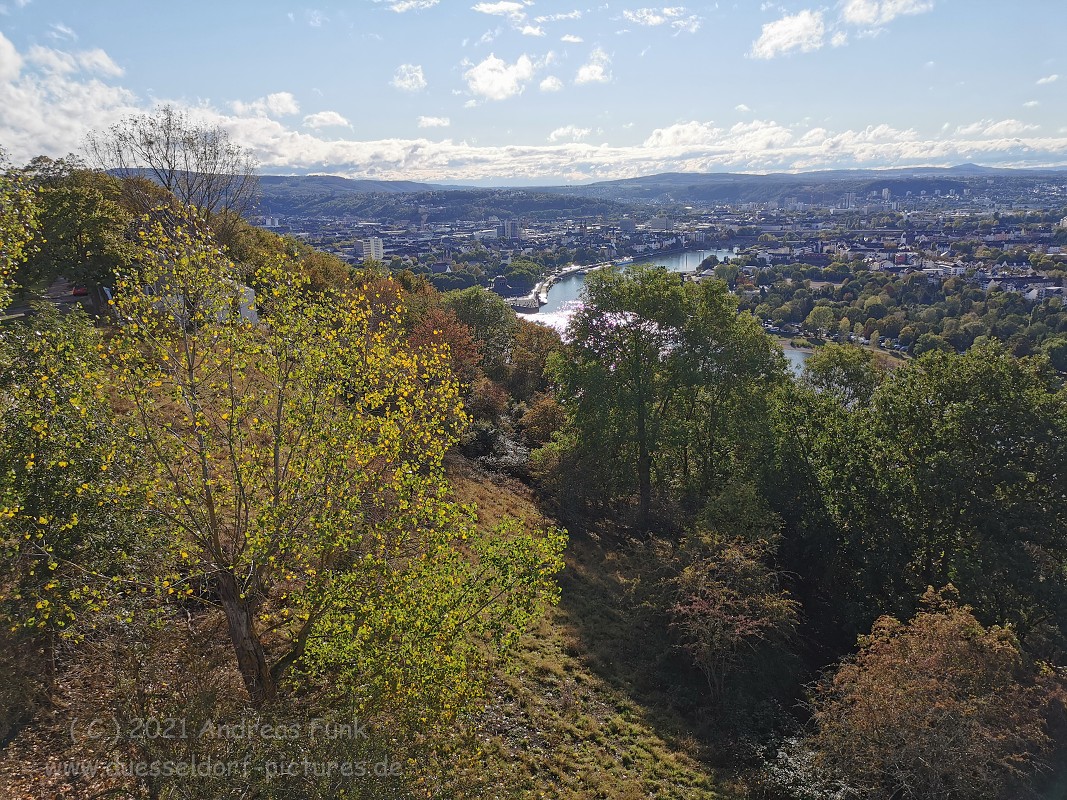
(297, 450)
(491, 322)
(845, 372)
(533, 345)
(726, 606)
(928, 342)
(938, 708)
(623, 369)
(70, 494)
(198, 164)
(18, 223)
(726, 272)
(1056, 350)
(660, 382)
(954, 473)
(436, 326)
(820, 320)
(83, 227)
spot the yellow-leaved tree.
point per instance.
(297, 443)
(18, 222)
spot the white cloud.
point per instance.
(742, 108)
(803, 31)
(315, 18)
(326, 119)
(10, 60)
(989, 128)
(875, 13)
(96, 60)
(570, 38)
(61, 32)
(273, 105)
(551, 84)
(839, 39)
(282, 103)
(675, 16)
(48, 111)
(756, 146)
(570, 132)
(400, 6)
(503, 8)
(559, 17)
(532, 30)
(62, 62)
(596, 70)
(495, 79)
(1031, 104)
(652, 16)
(434, 122)
(690, 24)
(1048, 79)
(409, 78)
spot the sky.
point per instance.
(519, 92)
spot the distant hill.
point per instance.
(819, 186)
(296, 194)
(331, 196)
(334, 196)
(335, 183)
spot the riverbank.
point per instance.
(674, 259)
(788, 344)
(885, 358)
(530, 303)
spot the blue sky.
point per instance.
(543, 91)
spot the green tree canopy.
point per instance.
(652, 381)
(954, 473)
(846, 372)
(84, 228)
(492, 323)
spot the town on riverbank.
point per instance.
(902, 268)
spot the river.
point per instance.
(565, 295)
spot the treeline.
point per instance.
(922, 510)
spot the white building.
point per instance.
(373, 250)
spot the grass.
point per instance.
(581, 714)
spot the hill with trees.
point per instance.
(275, 526)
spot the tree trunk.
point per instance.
(644, 470)
(251, 660)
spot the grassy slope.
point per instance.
(583, 713)
(571, 721)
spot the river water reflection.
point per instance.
(565, 295)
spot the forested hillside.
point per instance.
(338, 197)
(278, 527)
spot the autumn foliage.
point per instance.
(939, 707)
